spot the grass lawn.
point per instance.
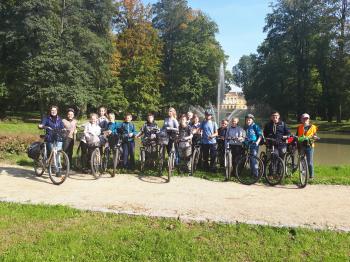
(57, 233)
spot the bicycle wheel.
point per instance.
(96, 163)
(59, 167)
(228, 165)
(194, 160)
(39, 166)
(263, 157)
(303, 172)
(116, 156)
(274, 171)
(249, 169)
(171, 164)
(161, 159)
(78, 164)
(290, 165)
(105, 159)
(142, 159)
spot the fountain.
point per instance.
(221, 92)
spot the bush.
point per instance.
(15, 144)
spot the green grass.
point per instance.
(57, 233)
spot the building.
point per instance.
(234, 100)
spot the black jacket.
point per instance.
(276, 131)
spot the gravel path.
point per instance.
(186, 198)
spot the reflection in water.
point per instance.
(332, 149)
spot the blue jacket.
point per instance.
(253, 132)
(54, 123)
(126, 128)
(114, 127)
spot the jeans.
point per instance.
(49, 149)
(129, 152)
(309, 152)
(209, 149)
(254, 165)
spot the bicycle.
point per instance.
(57, 164)
(228, 158)
(303, 168)
(184, 147)
(290, 157)
(172, 133)
(196, 155)
(114, 145)
(273, 164)
(163, 141)
(149, 149)
(249, 168)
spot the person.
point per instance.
(221, 141)
(306, 129)
(92, 132)
(189, 117)
(70, 124)
(184, 147)
(128, 132)
(112, 129)
(102, 118)
(53, 121)
(149, 126)
(170, 122)
(253, 136)
(196, 131)
(209, 131)
(237, 135)
(278, 130)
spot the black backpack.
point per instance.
(33, 150)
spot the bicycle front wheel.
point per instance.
(303, 172)
(228, 165)
(171, 165)
(96, 163)
(59, 167)
(249, 169)
(274, 171)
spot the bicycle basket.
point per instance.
(33, 150)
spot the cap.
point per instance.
(305, 115)
(250, 116)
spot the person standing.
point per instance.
(209, 131)
(254, 136)
(308, 130)
(128, 133)
(70, 124)
(221, 141)
(170, 125)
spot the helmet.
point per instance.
(250, 116)
(209, 112)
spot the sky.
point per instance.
(240, 24)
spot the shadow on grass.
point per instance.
(23, 173)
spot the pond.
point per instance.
(332, 149)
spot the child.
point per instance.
(221, 141)
(148, 127)
(185, 148)
(128, 132)
(310, 131)
(102, 118)
(92, 132)
(112, 129)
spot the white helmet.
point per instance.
(305, 115)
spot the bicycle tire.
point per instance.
(116, 155)
(161, 160)
(194, 160)
(303, 172)
(142, 160)
(105, 159)
(289, 164)
(78, 164)
(39, 167)
(171, 161)
(244, 174)
(228, 165)
(61, 169)
(274, 170)
(96, 163)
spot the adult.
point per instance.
(53, 122)
(170, 123)
(209, 131)
(237, 135)
(253, 136)
(278, 130)
(70, 124)
(306, 129)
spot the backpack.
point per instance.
(33, 150)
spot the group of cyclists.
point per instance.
(189, 132)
